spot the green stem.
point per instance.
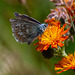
(63, 52)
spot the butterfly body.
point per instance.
(26, 29)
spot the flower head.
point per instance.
(66, 63)
(53, 35)
(58, 13)
(67, 9)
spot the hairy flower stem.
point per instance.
(63, 51)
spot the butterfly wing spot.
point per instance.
(18, 35)
(19, 38)
(27, 30)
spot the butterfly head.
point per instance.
(43, 26)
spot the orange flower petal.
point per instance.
(65, 31)
(60, 44)
(63, 38)
(54, 45)
(63, 26)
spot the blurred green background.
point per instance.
(23, 59)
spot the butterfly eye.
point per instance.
(45, 25)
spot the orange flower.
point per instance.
(53, 35)
(66, 63)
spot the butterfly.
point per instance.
(26, 29)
